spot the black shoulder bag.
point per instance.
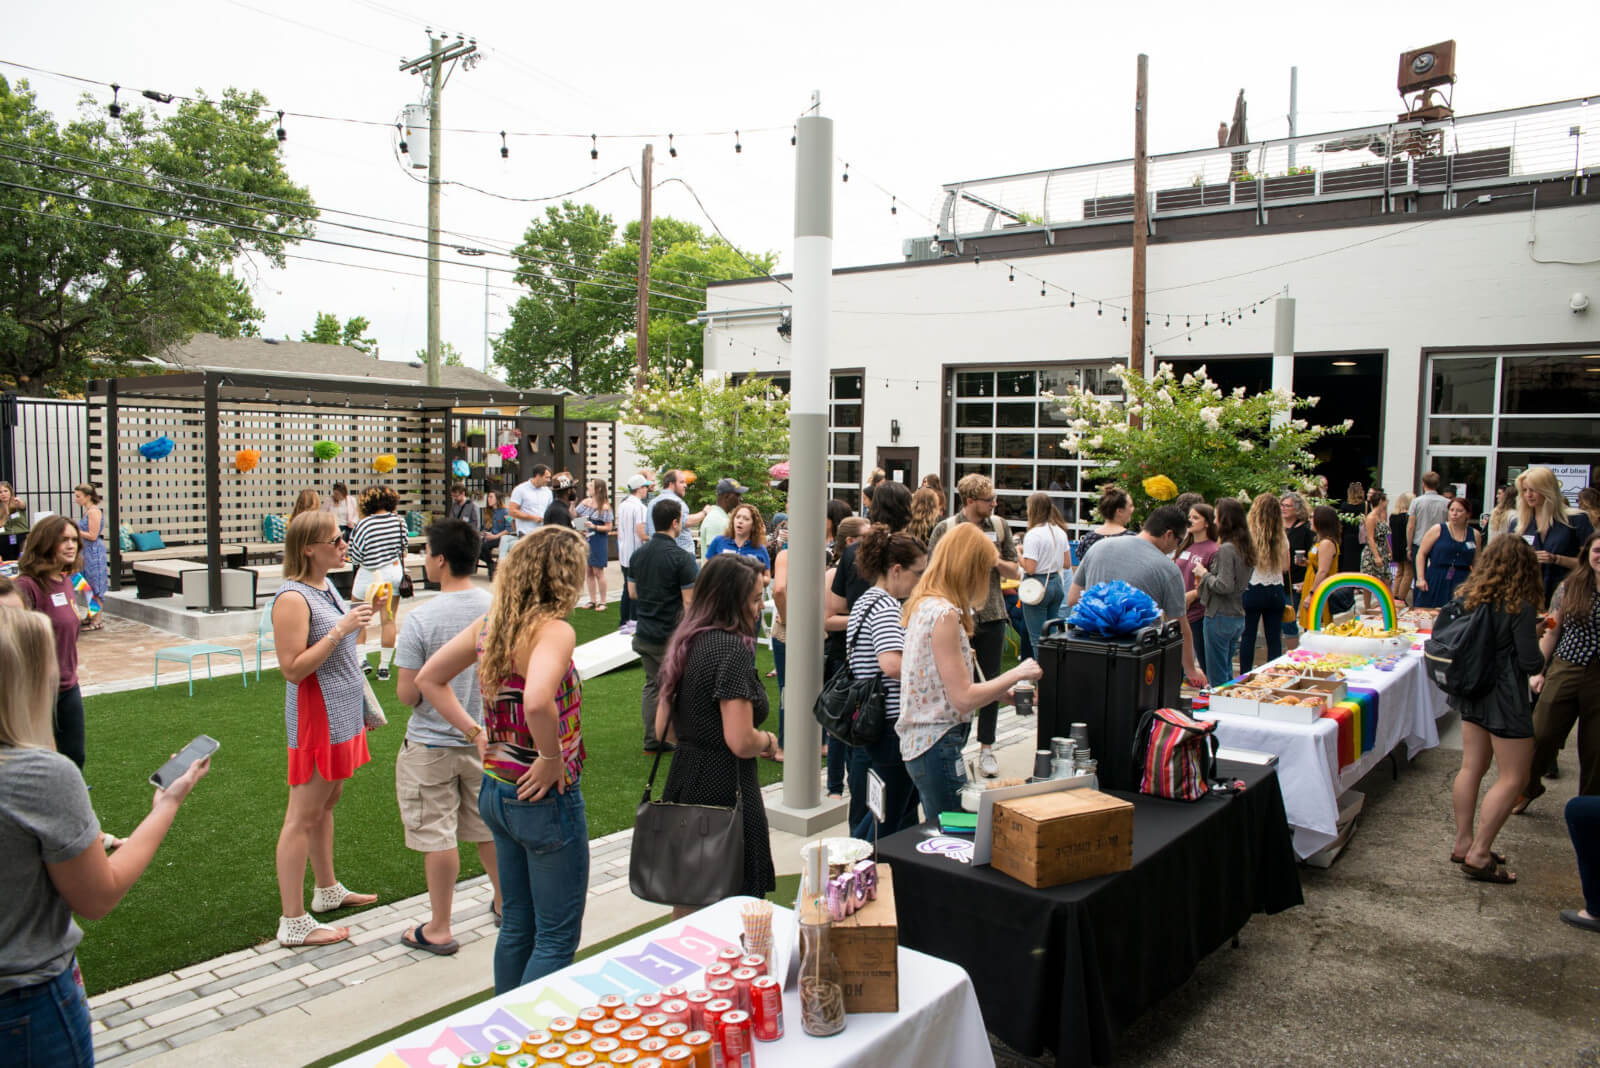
(686, 854)
(851, 709)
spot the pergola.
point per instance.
(211, 415)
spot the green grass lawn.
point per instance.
(211, 888)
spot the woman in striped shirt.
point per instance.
(378, 549)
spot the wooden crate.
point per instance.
(867, 945)
(1062, 837)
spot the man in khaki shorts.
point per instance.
(439, 769)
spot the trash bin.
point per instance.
(1107, 683)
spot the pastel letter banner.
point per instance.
(501, 1027)
(613, 978)
(447, 1049)
(659, 966)
(693, 944)
(544, 1005)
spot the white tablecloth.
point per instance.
(938, 1022)
(1308, 754)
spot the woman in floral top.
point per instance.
(937, 694)
(532, 746)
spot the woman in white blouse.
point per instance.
(1047, 557)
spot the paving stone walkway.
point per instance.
(184, 1016)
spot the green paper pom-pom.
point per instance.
(327, 450)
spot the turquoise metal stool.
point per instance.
(186, 654)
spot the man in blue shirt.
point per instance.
(672, 487)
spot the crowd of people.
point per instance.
(916, 592)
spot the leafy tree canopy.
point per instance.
(449, 355)
(110, 249)
(711, 427)
(352, 332)
(573, 328)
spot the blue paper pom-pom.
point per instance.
(460, 469)
(157, 448)
(1114, 609)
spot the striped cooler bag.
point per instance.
(1176, 756)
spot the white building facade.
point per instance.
(1454, 331)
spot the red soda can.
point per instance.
(738, 1041)
(730, 955)
(742, 978)
(647, 1002)
(756, 961)
(719, 970)
(677, 1010)
(766, 1008)
(697, 1008)
(669, 992)
(724, 988)
(714, 1011)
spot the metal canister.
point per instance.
(716, 1008)
(652, 1046)
(626, 1055)
(766, 1008)
(738, 1040)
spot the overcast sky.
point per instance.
(922, 94)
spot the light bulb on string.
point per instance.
(1072, 301)
(672, 149)
(737, 147)
(976, 259)
(594, 146)
(846, 177)
(281, 135)
(115, 107)
(1097, 309)
(1041, 289)
(1124, 314)
(893, 210)
(793, 131)
(505, 153)
(401, 130)
(1011, 273)
(1169, 321)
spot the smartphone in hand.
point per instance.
(173, 770)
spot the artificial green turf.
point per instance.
(212, 890)
(788, 887)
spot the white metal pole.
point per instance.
(1283, 352)
(1294, 109)
(808, 432)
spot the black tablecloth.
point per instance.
(1071, 966)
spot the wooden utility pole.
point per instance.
(1137, 357)
(642, 345)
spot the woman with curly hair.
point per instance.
(927, 508)
(1498, 725)
(532, 745)
(1116, 508)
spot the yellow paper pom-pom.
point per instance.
(385, 463)
(246, 460)
(1160, 487)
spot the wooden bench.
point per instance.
(159, 572)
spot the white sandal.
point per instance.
(294, 932)
(328, 898)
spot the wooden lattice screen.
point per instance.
(167, 495)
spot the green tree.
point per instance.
(109, 253)
(449, 355)
(711, 427)
(567, 330)
(351, 333)
(1201, 439)
(683, 259)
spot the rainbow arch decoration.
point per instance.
(1352, 580)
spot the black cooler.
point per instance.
(1107, 683)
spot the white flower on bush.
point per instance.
(1097, 441)
(1247, 446)
(1348, 423)
(1298, 424)
(1313, 401)
(1163, 396)
(1135, 408)
(1188, 380)
(1238, 393)
(1070, 443)
(1211, 417)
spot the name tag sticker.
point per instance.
(59, 600)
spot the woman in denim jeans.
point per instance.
(937, 693)
(532, 746)
(55, 857)
(1221, 589)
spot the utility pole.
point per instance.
(1137, 358)
(642, 345)
(440, 51)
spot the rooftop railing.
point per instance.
(1465, 152)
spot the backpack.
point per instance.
(1462, 657)
(1175, 756)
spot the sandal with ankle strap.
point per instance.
(328, 898)
(294, 932)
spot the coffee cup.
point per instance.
(1022, 697)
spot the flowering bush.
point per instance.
(1193, 434)
(712, 426)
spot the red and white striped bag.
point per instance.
(1176, 756)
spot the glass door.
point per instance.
(1465, 473)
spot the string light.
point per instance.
(793, 132)
(846, 177)
(1011, 273)
(1042, 290)
(116, 108)
(672, 149)
(737, 147)
(281, 135)
(401, 132)
(1097, 309)
(594, 146)
(893, 210)
(505, 153)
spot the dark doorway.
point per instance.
(900, 465)
(1347, 387)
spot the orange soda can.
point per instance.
(653, 1045)
(674, 1031)
(624, 1055)
(607, 1028)
(627, 1014)
(559, 1026)
(677, 1057)
(610, 1003)
(534, 1039)
(647, 1002)
(579, 1058)
(604, 1047)
(552, 1051)
(633, 1034)
(577, 1038)
(592, 1015)
(654, 1021)
(700, 1044)
(648, 1062)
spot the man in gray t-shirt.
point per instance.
(1427, 510)
(1145, 563)
(440, 767)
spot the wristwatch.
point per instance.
(476, 730)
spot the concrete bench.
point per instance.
(159, 572)
(238, 588)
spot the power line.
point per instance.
(748, 261)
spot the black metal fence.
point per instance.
(44, 450)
